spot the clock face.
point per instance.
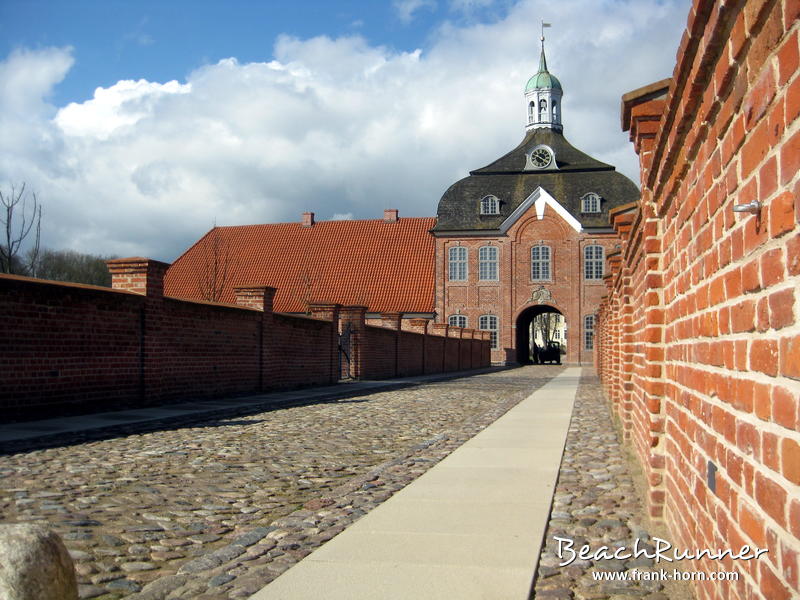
(540, 158)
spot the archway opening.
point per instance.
(541, 335)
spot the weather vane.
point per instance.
(543, 26)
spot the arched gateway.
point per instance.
(523, 330)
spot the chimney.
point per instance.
(390, 215)
(308, 219)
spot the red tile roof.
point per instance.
(384, 266)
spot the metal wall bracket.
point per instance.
(753, 207)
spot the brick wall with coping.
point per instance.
(69, 348)
(699, 333)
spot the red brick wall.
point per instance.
(412, 354)
(64, 346)
(299, 352)
(381, 353)
(699, 332)
(71, 348)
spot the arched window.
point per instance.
(487, 263)
(490, 205)
(555, 111)
(531, 112)
(457, 321)
(540, 263)
(590, 203)
(457, 263)
(489, 323)
(593, 258)
(542, 110)
(588, 332)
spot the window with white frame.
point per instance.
(590, 203)
(487, 263)
(540, 263)
(457, 321)
(489, 323)
(490, 205)
(588, 332)
(593, 258)
(457, 263)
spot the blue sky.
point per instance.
(140, 124)
(164, 40)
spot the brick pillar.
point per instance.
(145, 276)
(441, 330)
(260, 297)
(355, 316)
(419, 326)
(326, 311)
(393, 321)
(139, 275)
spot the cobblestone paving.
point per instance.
(596, 503)
(216, 509)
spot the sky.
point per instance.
(139, 125)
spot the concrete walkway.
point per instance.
(42, 429)
(471, 527)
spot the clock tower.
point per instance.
(524, 239)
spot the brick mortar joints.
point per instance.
(754, 462)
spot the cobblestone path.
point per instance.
(596, 503)
(216, 509)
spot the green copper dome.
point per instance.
(543, 79)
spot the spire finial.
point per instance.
(543, 26)
(542, 59)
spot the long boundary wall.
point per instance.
(699, 335)
(70, 348)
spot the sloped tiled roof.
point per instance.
(384, 266)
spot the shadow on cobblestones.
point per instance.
(597, 503)
(217, 508)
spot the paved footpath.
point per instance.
(470, 528)
(217, 508)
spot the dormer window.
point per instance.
(590, 203)
(490, 205)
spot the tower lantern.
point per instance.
(543, 96)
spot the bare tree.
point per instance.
(545, 325)
(216, 266)
(21, 216)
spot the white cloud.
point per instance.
(124, 103)
(338, 127)
(342, 217)
(405, 9)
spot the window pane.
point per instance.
(489, 323)
(593, 262)
(487, 263)
(457, 321)
(540, 262)
(588, 332)
(457, 264)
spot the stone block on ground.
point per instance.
(35, 564)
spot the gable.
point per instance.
(540, 200)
